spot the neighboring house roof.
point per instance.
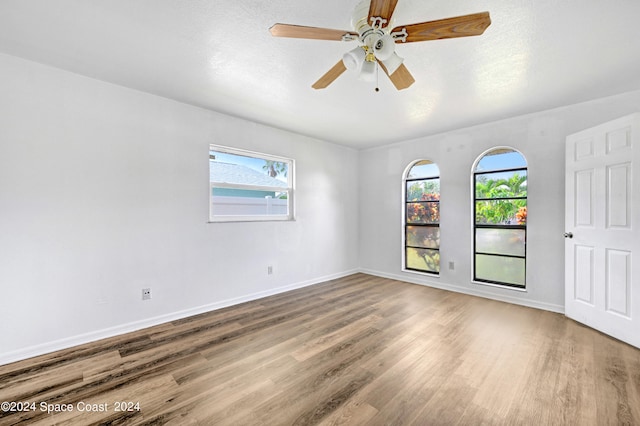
(236, 173)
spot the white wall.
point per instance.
(104, 191)
(541, 138)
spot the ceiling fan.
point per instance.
(377, 38)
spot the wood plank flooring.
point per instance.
(360, 350)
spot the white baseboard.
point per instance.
(468, 290)
(48, 347)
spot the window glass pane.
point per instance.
(423, 190)
(502, 184)
(500, 187)
(249, 186)
(424, 169)
(500, 159)
(501, 212)
(507, 270)
(422, 216)
(242, 202)
(500, 241)
(423, 236)
(423, 260)
(428, 212)
(245, 170)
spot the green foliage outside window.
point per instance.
(496, 199)
(500, 218)
(423, 208)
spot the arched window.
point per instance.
(422, 217)
(500, 212)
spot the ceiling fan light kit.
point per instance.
(384, 47)
(392, 63)
(377, 38)
(368, 71)
(354, 59)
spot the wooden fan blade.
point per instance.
(299, 31)
(382, 8)
(401, 78)
(330, 76)
(459, 26)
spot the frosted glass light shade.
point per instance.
(354, 59)
(393, 63)
(368, 72)
(385, 47)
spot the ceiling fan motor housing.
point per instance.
(376, 41)
(368, 34)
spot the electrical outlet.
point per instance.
(146, 293)
(269, 270)
(451, 265)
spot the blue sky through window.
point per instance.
(505, 160)
(250, 162)
(424, 169)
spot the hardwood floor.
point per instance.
(358, 350)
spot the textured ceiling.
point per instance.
(218, 54)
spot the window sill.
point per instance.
(422, 274)
(505, 287)
(232, 219)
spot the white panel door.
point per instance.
(602, 237)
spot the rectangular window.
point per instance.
(249, 186)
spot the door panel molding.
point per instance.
(601, 215)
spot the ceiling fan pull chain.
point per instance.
(377, 77)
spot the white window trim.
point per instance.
(289, 189)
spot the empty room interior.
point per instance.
(299, 212)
